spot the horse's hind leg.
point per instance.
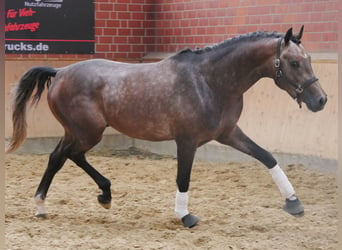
(73, 148)
(56, 161)
(103, 183)
(87, 132)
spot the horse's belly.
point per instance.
(145, 129)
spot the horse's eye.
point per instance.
(295, 64)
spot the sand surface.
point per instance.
(239, 206)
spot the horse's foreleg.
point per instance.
(104, 184)
(56, 161)
(238, 140)
(185, 156)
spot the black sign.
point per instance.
(49, 26)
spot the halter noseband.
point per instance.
(279, 74)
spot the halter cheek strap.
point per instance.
(299, 88)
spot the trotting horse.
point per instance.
(192, 97)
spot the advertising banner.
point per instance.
(49, 26)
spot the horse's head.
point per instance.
(294, 73)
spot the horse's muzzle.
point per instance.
(316, 104)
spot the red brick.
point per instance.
(215, 21)
(106, 39)
(265, 19)
(150, 32)
(148, 40)
(135, 7)
(138, 15)
(138, 32)
(120, 7)
(119, 55)
(331, 36)
(149, 48)
(193, 22)
(102, 47)
(306, 7)
(243, 11)
(134, 39)
(204, 22)
(313, 36)
(277, 18)
(135, 24)
(329, 16)
(232, 29)
(198, 39)
(106, 7)
(120, 39)
(109, 55)
(124, 47)
(139, 1)
(291, 18)
(123, 23)
(239, 20)
(134, 55)
(98, 31)
(301, 17)
(109, 31)
(124, 32)
(211, 31)
(149, 24)
(124, 15)
(148, 7)
(138, 48)
(113, 47)
(102, 15)
(319, 7)
(113, 23)
(113, 15)
(150, 16)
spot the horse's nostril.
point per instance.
(323, 100)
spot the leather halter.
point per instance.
(280, 74)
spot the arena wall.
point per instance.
(144, 30)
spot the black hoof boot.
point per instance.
(104, 202)
(294, 207)
(190, 220)
(41, 216)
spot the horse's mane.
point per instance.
(253, 36)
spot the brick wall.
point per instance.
(128, 29)
(184, 23)
(124, 28)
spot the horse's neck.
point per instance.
(234, 72)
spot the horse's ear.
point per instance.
(300, 34)
(288, 36)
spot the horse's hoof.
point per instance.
(106, 203)
(190, 220)
(294, 207)
(41, 216)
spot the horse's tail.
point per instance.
(36, 77)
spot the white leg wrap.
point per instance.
(279, 177)
(40, 205)
(181, 204)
